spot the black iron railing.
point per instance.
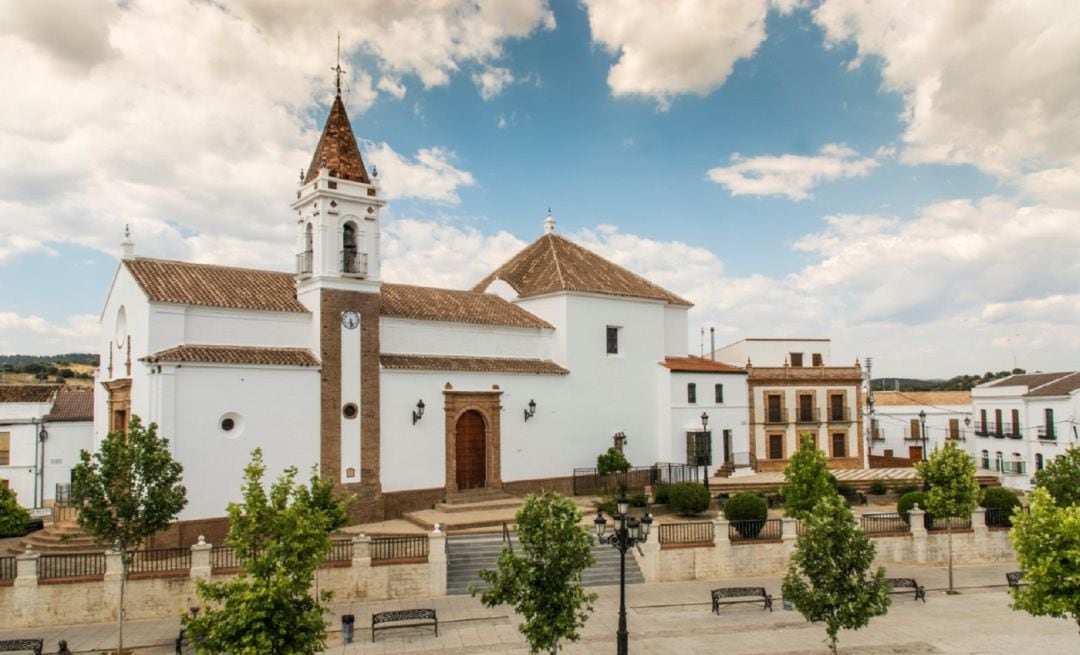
(224, 558)
(879, 523)
(160, 560)
(776, 415)
(936, 524)
(71, 565)
(807, 415)
(686, 533)
(63, 493)
(839, 414)
(981, 429)
(354, 262)
(760, 530)
(7, 568)
(1014, 468)
(385, 548)
(1047, 433)
(341, 550)
(997, 517)
(588, 481)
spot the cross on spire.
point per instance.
(338, 70)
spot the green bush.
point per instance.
(613, 461)
(877, 488)
(638, 499)
(905, 488)
(999, 499)
(660, 493)
(13, 517)
(846, 490)
(689, 498)
(908, 501)
(749, 511)
(607, 505)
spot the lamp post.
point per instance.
(922, 429)
(627, 533)
(704, 435)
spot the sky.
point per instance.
(901, 177)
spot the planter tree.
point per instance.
(829, 577)
(807, 479)
(953, 493)
(542, 583)
(127, 491)
(1047, 544)
(13, 517)
(1061, 478)
(280, 538)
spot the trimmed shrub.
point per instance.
(878, 488)
(13, 518)
(905, 488)
(638, 499)
(689, 498)
(999, 499)
(908, 501)
(748, 511)
(613, 461)
(660, 493)
(847, 491)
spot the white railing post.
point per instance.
(917, 521)
(436, 562)
(26, 568)
(201, 566)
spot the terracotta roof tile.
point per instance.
(1029, 380)
(693, 364)
(891, 398)
(553, 263)
(431, 304)
(184, 283)
(235, 355)
(337, 146)
(471, 364)
(72, 405)
(1063, 386)
(27, 393)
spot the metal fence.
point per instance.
(997, 517)
(588, 481)
(160, 560)
(7, 568)
(71, 565)
(686, 533)
(760, 530)
(958, 523)
(386, 548)
(223, 557)
(340, 551)
(879, 523)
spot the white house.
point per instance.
(1023, 421)
(911, 424)
(406, 395)
(42, 429)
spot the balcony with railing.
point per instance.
(354, 263)
(304, 262)
(982, 429)
(776, 415)
(807, 415)
(877, 434)
(1014, 468)
(1011, 430)
(838, 414)
(1047, 433)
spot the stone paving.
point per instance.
(676, 618)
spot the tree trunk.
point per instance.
(950, 556)
(120, 618)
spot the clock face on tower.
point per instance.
(350, 319)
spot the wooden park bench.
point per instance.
(1015, 579)
(417, 617)
(18, 645)
(900, 585)
(739, 592)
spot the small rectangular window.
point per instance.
(612, 340)
(888, 452)
(719, 394)
(5, 448)
(796, 359)
(816, 358)
(839, 444)
(691, 393)
(915, 428)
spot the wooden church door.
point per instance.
(471, 451)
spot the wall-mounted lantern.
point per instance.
(418, 413)
(531, 411)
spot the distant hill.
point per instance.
(958, 383)
(69, 368)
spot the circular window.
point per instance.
(231, 425)
(350, 410)
(121, 325)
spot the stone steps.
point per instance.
(64, 537)
(468, 555)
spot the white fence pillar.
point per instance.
(26, 568)
(917, 521)
(201, 566)
(436, 562)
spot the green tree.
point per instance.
(281, 538)
(126, 491)
(542, 583)
(13, 516)
(954, 492)
(613, 461)
(807, 479)
(1061, 478)
(829, 578)
(1047, 544)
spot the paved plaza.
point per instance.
(675, 618)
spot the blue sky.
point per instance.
(904, 182)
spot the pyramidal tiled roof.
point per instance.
(553, 263)
(337, 146)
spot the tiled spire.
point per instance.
(337, 148)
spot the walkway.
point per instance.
(675, 617)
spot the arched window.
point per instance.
(309, 242)
(306, 258)
(986, 459)
(1038, 461)
(998, 461)
(350, 260)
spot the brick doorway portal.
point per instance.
(473, 448)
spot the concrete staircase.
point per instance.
(57, 538)
(467, 555)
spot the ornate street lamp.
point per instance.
(922, 427)
(705, 438)
(628, 532)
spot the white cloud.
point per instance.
(992, 83)
(792, 176)
(492, 80)
(392, 86)
(672, 47)
(33, 335)
(431, 175)
(443, 255)
(15, 245)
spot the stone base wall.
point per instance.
(564, 486)
(399, 503)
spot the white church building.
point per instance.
(406, 395)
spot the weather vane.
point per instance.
(338, 70)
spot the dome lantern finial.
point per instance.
(549, 223)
